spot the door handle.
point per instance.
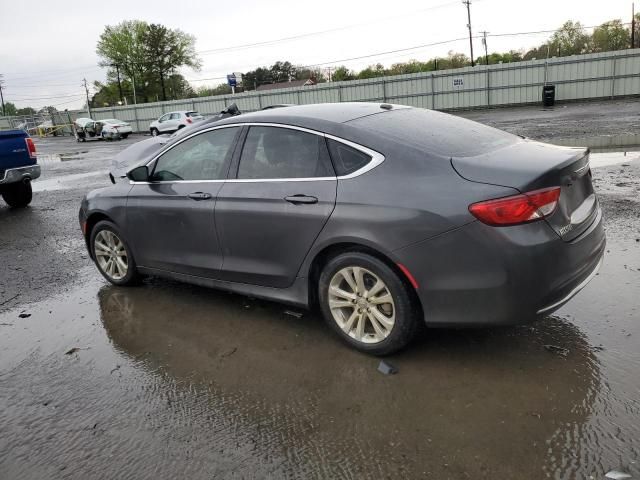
(199, 196)
(300, 199)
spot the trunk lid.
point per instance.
(528, 165)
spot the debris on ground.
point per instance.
(617, 475)
(117, 367)
(71, 351)
(228, 353)
(24, 315)
(558, 350)
(293, 314)
(386, 368)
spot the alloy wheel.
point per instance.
(361, 304)
(111, 255)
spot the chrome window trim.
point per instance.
(376, 157)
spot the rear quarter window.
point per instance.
(436, 132)
(346, 159)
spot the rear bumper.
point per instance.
(480, 275)
(14, 175)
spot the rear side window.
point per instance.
(202, 157)
(272, 152)
(346, 159)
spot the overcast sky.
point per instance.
(47, 48)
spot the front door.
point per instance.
(170, 219)
(269, 216)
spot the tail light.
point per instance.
(189, 120)
(31, 147)
(523, 208)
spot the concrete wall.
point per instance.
(598, 75)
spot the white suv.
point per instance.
(173, 121)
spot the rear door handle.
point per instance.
(301, 199)
(199, 196)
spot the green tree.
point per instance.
(342, 73)
(220, 89)
(26, 111)
(611, 35)
(372, 71)
(9, 109)
(570, 39)
(124, 45)
(167, 50)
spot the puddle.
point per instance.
(184, 382)
(607, 150)
(46, 159)
(66, 182)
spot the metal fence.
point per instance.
(591, 76)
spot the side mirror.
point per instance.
(139, 174)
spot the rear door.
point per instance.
(270, 214)
(170, 219)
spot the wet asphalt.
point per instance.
(168, 380)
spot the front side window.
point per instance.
(272, 152)
(202, 157)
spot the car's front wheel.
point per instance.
(112, 254)
(154, 132)
(18, 195)
(367, 303)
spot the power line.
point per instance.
(47, 97)
(321, 32)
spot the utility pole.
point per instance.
(484, 42)
(1, 96)
(633, 25)
(468, 4)
(86, 90)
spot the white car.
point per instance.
(113, 128)
(173, 121)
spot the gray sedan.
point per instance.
(385, 217)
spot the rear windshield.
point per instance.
(192, 114)
(436, 132)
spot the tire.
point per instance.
(124, 136)
(18, 195)
(400, 321)
(154, 132)
(181, 127)
(103, 231)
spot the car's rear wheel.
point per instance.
(154, 132)
(367, 303)
(18, 195)
(112, 254)
(124, 136)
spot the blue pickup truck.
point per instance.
(18, 166)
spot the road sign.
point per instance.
(231, 80)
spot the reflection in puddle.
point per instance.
(607, 150)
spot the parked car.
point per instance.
(18, 166)
(387, 217)
(172, 121)
(113, 128)
(109, 128)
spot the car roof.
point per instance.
(325, 112)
